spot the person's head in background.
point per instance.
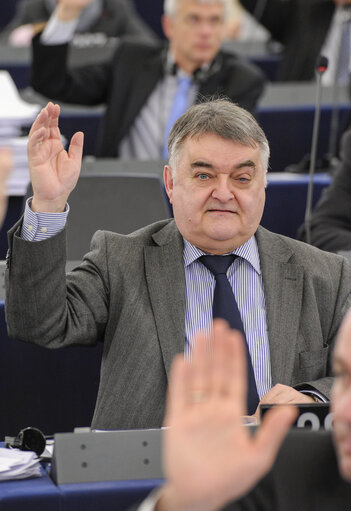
(6, 165)
(195, 30)
(341, 397)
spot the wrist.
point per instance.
(170, 499)
(67, 13)
(48, 206)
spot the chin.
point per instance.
(345, 467)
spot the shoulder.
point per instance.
(138, 46)
(281, 248)
(158, 233)
(233, 62)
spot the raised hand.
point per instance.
(210, 458)
(54, 172)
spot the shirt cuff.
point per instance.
(40, 226)
(318, 396)
(58, 32)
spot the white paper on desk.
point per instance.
(16, 464)
(12, 106)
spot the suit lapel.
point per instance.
(283, 285)
(164, 269)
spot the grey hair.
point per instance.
(170, 6)
(220, 117)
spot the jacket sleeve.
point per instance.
(46, 308)
(51, 76)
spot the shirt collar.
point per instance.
(247, 251)
(173, 69)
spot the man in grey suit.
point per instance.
(145, 295)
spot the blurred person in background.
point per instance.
(113, 18)
(146, 87)
(307, 28)
(6, 165)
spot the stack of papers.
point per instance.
(15, 113)
(16, 464)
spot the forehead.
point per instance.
(217, 151)
(188, 6)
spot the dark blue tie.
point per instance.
(225, 306)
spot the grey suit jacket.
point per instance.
(129, 293)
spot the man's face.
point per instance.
(218, 192)
(341, 398)
(195, 32)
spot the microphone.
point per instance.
(321, 67)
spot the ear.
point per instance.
(167, 26)
(168, 181)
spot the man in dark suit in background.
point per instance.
(331, 217)
(145, 295)
(141, 82)
(304, 27)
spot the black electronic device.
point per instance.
(28, 439)
(314, 416)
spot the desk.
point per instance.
(286, 197)
(42, 494)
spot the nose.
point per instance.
(222, 190)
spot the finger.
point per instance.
(198, 381)
(222, 358)
(75, 150)
(45, 117)
(176, 394)
(53, 121)
(6, 160)
(35, 140)
(237, 383)
(273, 394)
(271, 433)
(40, 121)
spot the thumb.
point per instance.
(75, 149)
(271, 433)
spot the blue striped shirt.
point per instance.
(39, 226)
(244, 275)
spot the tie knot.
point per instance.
(217, 264)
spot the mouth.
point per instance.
(221, 211)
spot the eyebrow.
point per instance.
(206, 165)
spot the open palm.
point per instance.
(54, 172)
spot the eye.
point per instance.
(243, 179)
(203, 176)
